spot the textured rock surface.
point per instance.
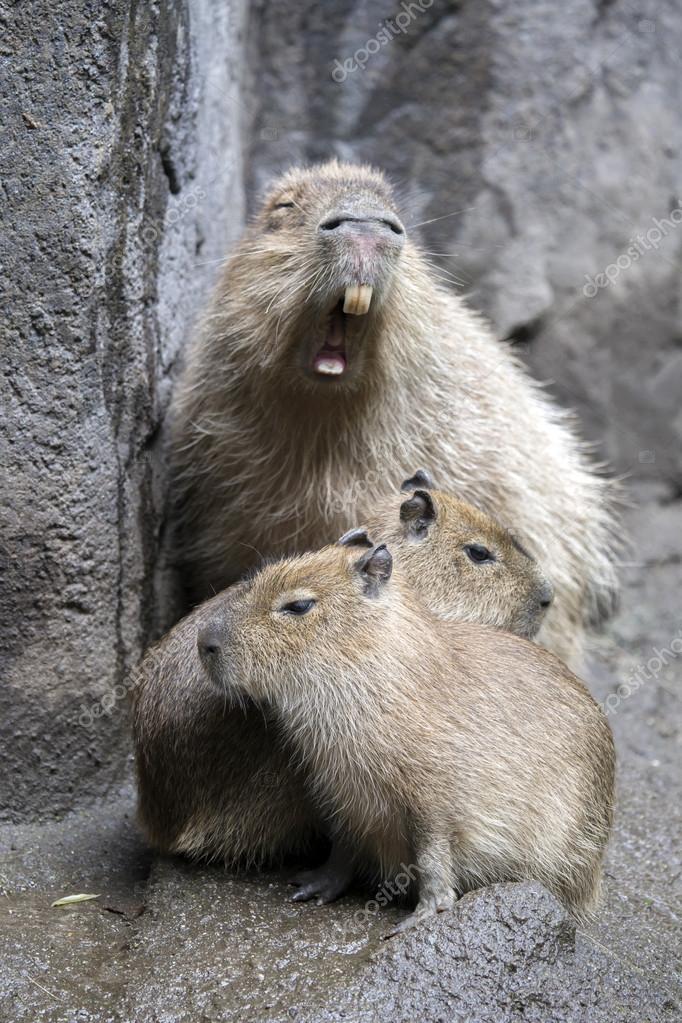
(119, 180)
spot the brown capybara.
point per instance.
(214, 781)
(466, 751)
(332, 361)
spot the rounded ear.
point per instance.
(418, 513)
(355, 538)
(375, 568)
(420, 479)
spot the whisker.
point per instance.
(243, 543)
(210, 262)
(469, 245)
(454, 213)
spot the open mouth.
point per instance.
(331, 359)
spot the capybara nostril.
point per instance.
(546, 594)
(366, 224)
(209, 641)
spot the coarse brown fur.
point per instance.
(469, 752)
(214, 780)
(269, 458)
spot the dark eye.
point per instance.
(297, 607)
(284, 205)
(478, 553)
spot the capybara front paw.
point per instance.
(425, 911)
(320, 884)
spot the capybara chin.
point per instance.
(464, 750)
(330, 363)
(215, 781)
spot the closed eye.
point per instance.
(284, 205)
(478, 553)
(297, 607)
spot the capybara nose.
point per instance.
(209, 641)
(380, 223)
(546, 594)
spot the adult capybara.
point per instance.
(331, 362)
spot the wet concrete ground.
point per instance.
(169, 943)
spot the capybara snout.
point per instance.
(348, 224)
(363, 220)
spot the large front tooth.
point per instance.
(329, 367)
(357, 299)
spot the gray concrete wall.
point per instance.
(537, 142)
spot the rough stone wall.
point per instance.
(120, 189)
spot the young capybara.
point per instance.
(330, 362)
(466, 751)
(463, 565)
(214, 779)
